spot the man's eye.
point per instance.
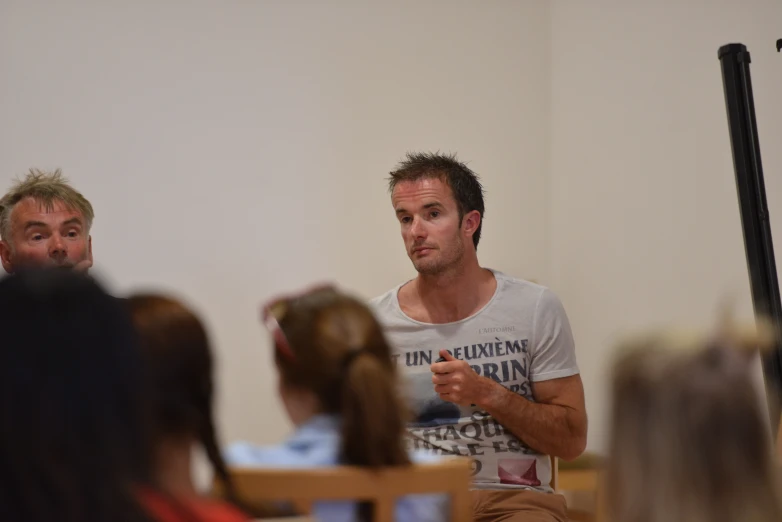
(435, 213)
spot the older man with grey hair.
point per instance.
(44, 222)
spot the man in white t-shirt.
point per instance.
(487, 361)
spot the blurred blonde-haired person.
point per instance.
(688, 438)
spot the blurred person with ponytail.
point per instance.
(689, 441)
(178, 360)
(339, 388)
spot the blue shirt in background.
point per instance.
(316, 443)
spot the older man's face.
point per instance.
(39, 238)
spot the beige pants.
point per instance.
(518, 506)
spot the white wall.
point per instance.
(644, 214)
(237, 149)
(234, 149)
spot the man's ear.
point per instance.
(470, 222)
(7, 256)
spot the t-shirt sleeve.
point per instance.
(553, 349)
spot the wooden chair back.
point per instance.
(554, 473)
(303, 487)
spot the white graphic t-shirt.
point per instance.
(521, 336)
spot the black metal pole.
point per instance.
(758, 244)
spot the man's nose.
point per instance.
(417, 228)
(57, 249)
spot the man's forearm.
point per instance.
(547, 428)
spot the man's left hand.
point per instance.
(83, 266)
(454, 381)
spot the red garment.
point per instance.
(170, 509)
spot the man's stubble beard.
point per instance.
(441, 266)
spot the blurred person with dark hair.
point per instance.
(73, 443)
(179, 363)
(339, 388)
(688, 439)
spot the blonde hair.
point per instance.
(688, 440)
(46, 188)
